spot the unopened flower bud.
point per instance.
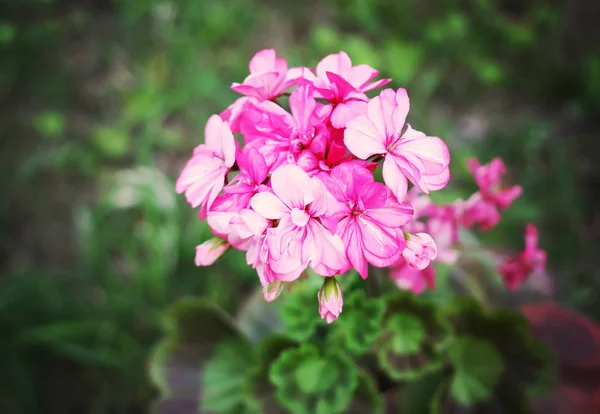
(419, 251)
(330, 300)
(209, 251)
(271, 291)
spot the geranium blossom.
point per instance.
(300, 239)
(482, 207)
(516, 270)
(344, 85)
(367, 217)
(269, 76)
(408, 155)
(204, 174)
(299, 191)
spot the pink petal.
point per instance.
(352, 239)
(380, 111)
(254, 165)
(255, 222)
(394, 178)
(381, 246)
(293, 186)
(360, 75)
(263, 61)
(343, 87)
(375, 85)
(347, 111)
(363, 139)
(302, 106)
(318, 206)
(218, 138)
(329, 247)
(392, 214)
(336, 63)
(268, 205)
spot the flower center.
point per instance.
(300, 217)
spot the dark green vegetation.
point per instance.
(102, 102)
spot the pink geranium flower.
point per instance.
(300, 239)
(482, 207)
(366, 216)
(408, 155)
(204, 174)
(517, 269)
(409, 278)
(282, 136)
(344, 85)
(269, 76)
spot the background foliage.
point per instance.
(102, 102)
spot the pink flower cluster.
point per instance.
(443, 224)
(296, 189)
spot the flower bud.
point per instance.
(330, 300)
(419, 251)
(271, 291)
(209, 251)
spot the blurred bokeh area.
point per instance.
(102, 102)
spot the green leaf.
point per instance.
(360, 325)
(478, 367)
(194, 329)
(416, 397)
(413, 337)
(224, 377)
(409, 333)
(258, 388)
(300, 311)
(366, 398)
(310, 381)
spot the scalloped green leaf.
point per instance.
(417, 397)
(530, 366)
(309, 381)
(366, 398)
(300, 311)
(193, 328)
(224, 377)
(360, 325)
(413, 337)
(478, 366)
(258, 388)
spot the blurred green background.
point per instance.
(102, 102)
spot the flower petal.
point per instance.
(268, 205)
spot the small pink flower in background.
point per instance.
(517, 269)
(420, 250)
(366, 216)
(204, 174)
(482, 207)
(409, 278)
(272, 291)
(269, 76)
(209, 251)
(410, 155)
(300, 239)
(330, 300)
(489, 179)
